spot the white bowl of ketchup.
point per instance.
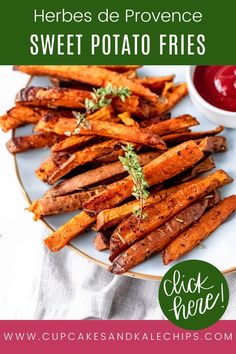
(212, 90)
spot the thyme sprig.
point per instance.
(131, 164)
(101, 97)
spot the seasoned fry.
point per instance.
(98, 175)
(130, 231)
(72, 142)
(208, 223)
(111, 157)
(172, 97)
(63, 83)
(146, 122)
(53, 97)
(123, 132)
(157, 171)
(111, 217)
(129, 74)
(46, 168)
(70, 84)
(52, 124)
(135, 106)
(213, 144)
(177, 138)
(19, 115)
(102, 240)
(68, 231)
(155, 84)
(80, 158)
(62, 204)
(96, 76)
(171, 125)
(51, 164)
(158, 239)
(204, 165)
(28, 142)
(60, 125)
(127, 120)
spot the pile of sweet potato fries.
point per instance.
(87, 136)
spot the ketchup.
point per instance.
(217, 85)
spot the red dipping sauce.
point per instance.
(217, 85)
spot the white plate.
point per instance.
(218, 249)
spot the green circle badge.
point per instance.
(193, 294)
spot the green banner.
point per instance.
(123, 32)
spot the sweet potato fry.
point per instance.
(177, 138)
(136, 106)
(80, 158)
(171, 125)
(125, 118)
(62, 204)
(172, 97)
(98, 175)
(72, 142)
(208, 223)
(111, 157)
(28, 142)
(110, 217)
(155, 84)
(113, 216)
(129, 74)
(96, 76)
(68, 231)
(70, 84)
(213, 144)
(123, 132)
(102, 240)
(157, 171)
(46, 168)
(158, 239)
(51, 164)
(130, 230)
(51, 123)
(63, 83)
(20, 115)
(53, 97)
(57, 125)
(146, 122)
(204, 165)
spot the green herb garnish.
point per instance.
(81, 121)
(101, 97)
(131, 164)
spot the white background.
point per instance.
(20, 250)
